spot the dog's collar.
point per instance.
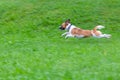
(69, 26)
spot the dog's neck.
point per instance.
(69, 27)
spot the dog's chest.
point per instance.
(72, 28)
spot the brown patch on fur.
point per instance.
(65, 23)
(78, 31)
(97, 33)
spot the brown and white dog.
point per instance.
(74, 31)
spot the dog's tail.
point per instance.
(99, 27)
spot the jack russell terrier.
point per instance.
(74, 31)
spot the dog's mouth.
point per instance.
(61, 28)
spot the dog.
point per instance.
(74, 31)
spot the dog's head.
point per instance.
(64, 24)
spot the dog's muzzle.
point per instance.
(61, 28)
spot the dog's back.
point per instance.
(78, 31)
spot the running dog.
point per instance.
(74, 31)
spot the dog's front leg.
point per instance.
(79, 36)
(66, 33)
(69, 35)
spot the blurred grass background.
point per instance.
(31, 47)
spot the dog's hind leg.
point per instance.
(100, 35)
(103, 36)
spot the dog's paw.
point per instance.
(66, 37)
(62, 35)
(108, 36)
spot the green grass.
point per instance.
(31, 47)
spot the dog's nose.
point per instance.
(60, 27)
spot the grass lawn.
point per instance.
(31, 46)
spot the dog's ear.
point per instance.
(67, 21)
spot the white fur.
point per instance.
(67, 26)
(72, 26)
(101, 35)
(79, 36)
(68, 34)
(100, 27)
